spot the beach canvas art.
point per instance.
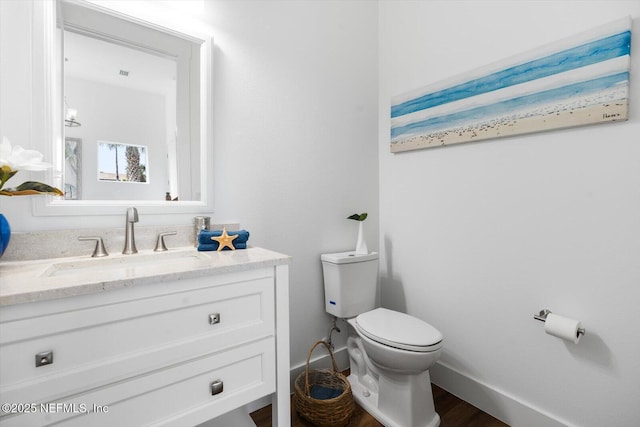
(580, 80)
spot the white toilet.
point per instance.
(390, 353)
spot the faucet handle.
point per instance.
(160, 246)
(132, 215)
(99, 251)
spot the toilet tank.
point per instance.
(350, 283)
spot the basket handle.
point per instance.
(333, 362)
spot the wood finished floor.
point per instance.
(453, 412)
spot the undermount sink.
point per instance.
(141, 261)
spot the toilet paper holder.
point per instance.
(542, 316)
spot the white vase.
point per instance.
(361, 245)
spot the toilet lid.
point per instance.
(399, 330)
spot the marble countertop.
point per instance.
(38, 280)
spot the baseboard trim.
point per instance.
(496, 403)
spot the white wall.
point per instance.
(295, 133)
(295, 139)
(15, 92)
(478, 237)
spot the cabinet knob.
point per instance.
(214, 318)
(216, 387)
(44, 358)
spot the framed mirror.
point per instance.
(134, 92)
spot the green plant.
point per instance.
(358, 217)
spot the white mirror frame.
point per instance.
(46, 129)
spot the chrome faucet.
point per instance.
(129, 237)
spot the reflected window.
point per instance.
(122, 162)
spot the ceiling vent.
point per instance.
(124, 73)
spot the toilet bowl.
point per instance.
(398, 342)
(389, 361)
(390, 353)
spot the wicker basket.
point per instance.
(323, 412)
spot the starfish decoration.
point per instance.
(225, 241)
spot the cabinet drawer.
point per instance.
(101, 344)
(178, 395)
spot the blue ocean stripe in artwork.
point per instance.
(504, 107)
(569, 59)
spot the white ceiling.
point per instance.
(100, 61)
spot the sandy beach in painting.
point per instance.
(516, 124)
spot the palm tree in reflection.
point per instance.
(115, 147)
(134, 171)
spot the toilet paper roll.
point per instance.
(562, 327)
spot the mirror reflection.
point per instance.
(122, 162)
(72, 172)
(131, 100)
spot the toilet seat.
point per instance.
(398, 330)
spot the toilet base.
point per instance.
(399, 410)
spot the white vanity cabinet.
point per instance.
(172, 353)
